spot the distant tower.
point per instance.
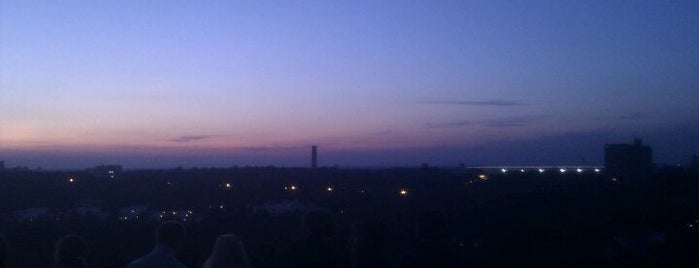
(314, 156)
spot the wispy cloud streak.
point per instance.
(495, 103)
(191, 138)
(496, 123)
(453, 124)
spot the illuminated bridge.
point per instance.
(540, 169)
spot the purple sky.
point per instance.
(169, 83)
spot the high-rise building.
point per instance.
(628, 161)
(314, 156)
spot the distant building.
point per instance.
(628, 161)
(314, 156)
(106, 171)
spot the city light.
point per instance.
(483, 177)
(563, 170)
(71, 180)
(597, 170)
(541, 170)
(290, 188)
(403, 192)
(330, 189)
(503, 170)
(521, 170)
(228, 185)
(579, 170)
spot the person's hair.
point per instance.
(228, 252)
(318, 224)
(70, 251)
(431, 225)
(170, 233)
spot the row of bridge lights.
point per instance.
(562, 170)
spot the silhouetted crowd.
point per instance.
(369, 246)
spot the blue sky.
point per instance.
(167, 83)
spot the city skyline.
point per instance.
(164, 84)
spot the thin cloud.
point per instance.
(496, 123)
(454, 124)
(509, 122)
(191, 138)
(494, 103)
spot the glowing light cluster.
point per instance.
(183, 215)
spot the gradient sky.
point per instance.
(373, 83)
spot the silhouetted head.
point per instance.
(431, 225)
(170, 233)
(228, 251)
(70, 251)
(318, 224)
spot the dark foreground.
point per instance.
(513, 219)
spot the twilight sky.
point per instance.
(373, 83)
